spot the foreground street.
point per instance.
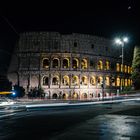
(120, 120)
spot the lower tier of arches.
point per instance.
(77, 94)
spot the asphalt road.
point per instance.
(102, 121)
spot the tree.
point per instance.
(136, 68)
(36, 92)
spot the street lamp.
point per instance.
(121, 41)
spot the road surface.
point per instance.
(101, 121)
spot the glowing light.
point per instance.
(13, 93)
(118, 41)
(125, 39)
(5, 92)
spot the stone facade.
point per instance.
(68, 65)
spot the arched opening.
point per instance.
(100, 80)
(93, 81)
(122, 82)
(46, 63)
(66, 80)
(126, 84)
(75, 63)
(107, 81)
(131, 70)
(125, 69)
(65, 63)
(107, 67)
(113, 81)
(75, 95)
(55, 80)
(84, 80)
(55, 63)
(54, 96)
(118, 81)
(122, 68)
(45, 80)
(100, 65)
(117, 67)
(91, 95)
(92, 64)
(129, 82)
(84, 95)
(65, 96)
(84, 64)
(75, 80)
(128, 69)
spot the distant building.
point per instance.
(67, 66)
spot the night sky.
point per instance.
(107, 18)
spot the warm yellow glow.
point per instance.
(125, 69)
(84, 64)
(66, 80)
(100, 80)
(75, 95)
(113, 82)
(129, 82)
(107, 81)
(122, 67)
(65, 95)
(107, 65)
(118, 67)
(93, 80)
(128, 69)
(118, 81)
(75, 80)
(5, 92)
(122, 82)
(84, 80)
(100, 65)
(126, 82)
(75, 63)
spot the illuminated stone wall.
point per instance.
(68, 66)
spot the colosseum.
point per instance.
(70, 66)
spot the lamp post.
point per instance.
(121, 41)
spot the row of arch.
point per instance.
(93, 80)
(73, 96)
(76, 96)
(55, 63)
(123, 68)
(65, 64)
